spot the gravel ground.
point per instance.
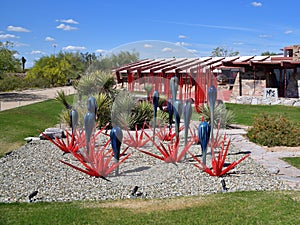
(35, 166)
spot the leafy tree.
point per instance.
(114, 60)
(223, 52)
(8, 61)
(268, 53)
(57, 70)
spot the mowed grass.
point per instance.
(294, 161)
(19, 123)
(228, 208)
(244, 114)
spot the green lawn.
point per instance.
(229, 208)
(294, 161)
(245, 113)
(24, 121)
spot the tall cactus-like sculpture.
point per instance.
(116, 137)
(155, 106)
(90, 120)
(73, 119)
(177, 114)
(204, 131)
(174, 88)
(187, 114)
(212, 97)
(171, 112)
(177, 105)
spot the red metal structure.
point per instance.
(194, 74)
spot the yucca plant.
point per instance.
(88, 85)
(222, 116)
(62, 98)
(121, 109)
(104, 103)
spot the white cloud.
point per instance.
(20, 44)
(148, 46)
(182, 36)
(6, 36)
(288, 32)
(17, 29)
(167, 50)
(66, 27)
(238, 43)
(101, 51)
(49, 39)
(71, 21)
(256, 4)
(265, 36)
(182, 44)
(37, 52)
(193, 51)
(73, 48)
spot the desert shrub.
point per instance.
(127, 112)
(11, 82)
(274, 130)
(222, 116)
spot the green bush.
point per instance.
(270, 130)
(10, 82)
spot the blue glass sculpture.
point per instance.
(155, 105)
(90, 119)
(177, 114)
(116, 137)
(171, 112)
(73, 119)
(187, 114)
(203, 135)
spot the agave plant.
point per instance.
(218, 163)
(171, 154)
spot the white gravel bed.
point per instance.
(35, 166)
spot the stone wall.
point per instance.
(260, 100)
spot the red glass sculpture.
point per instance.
(98, 160)
(171, 154)
(136, 141)
(218, 163)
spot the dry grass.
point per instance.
(153, 205)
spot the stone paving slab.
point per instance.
(270, 160)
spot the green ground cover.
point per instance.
(25, 121)
(228, 208)
(244, 114)
(294, 161)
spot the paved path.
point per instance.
(270, 160)
(9, 100)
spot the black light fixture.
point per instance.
(32, 195)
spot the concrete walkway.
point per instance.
(9, 100)
(270, 160)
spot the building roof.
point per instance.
(187, 65)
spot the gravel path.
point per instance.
(35, 166)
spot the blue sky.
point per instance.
(156, 28)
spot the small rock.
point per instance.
(274, 170)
